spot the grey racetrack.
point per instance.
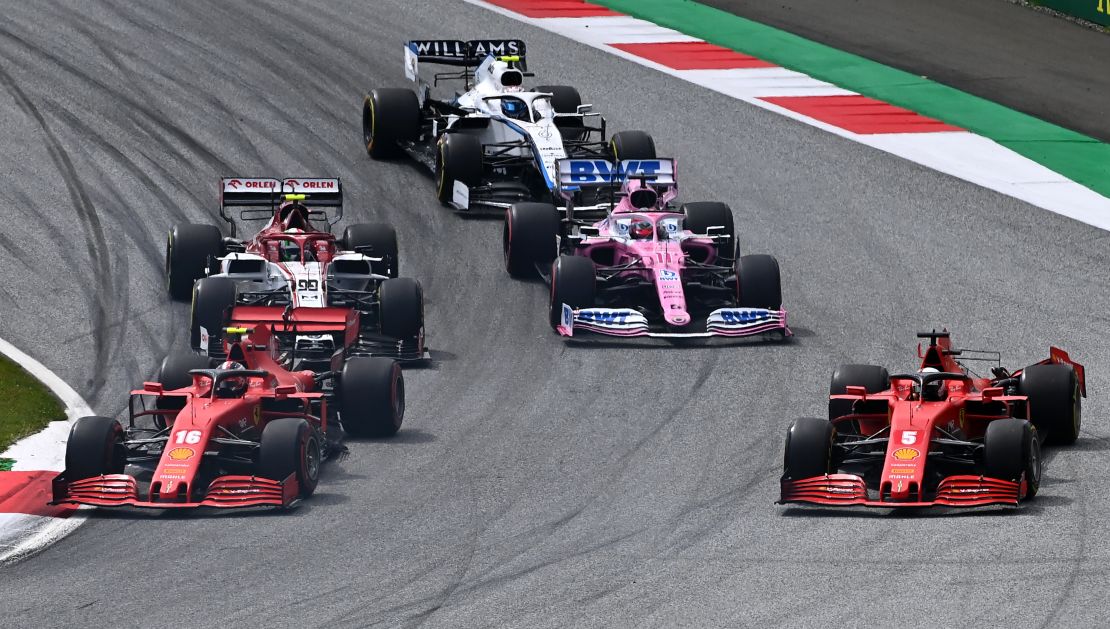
(534, 483)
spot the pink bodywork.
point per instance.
(664, 256)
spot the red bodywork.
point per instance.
(315, 246)
(192, 434)
(910, 425)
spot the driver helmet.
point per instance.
(934, 391)
(643, 198)
(232, 386)
(514, 108)
(640, 230)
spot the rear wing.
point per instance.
(575, 174)
(251, 194)
(463, 54)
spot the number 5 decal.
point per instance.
(909, 437)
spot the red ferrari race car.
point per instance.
(246, 433)
(939, 436)
(321, 293)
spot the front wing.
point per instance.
(727, 322)
(845, 490)
(122, 490)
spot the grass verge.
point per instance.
(26, 405)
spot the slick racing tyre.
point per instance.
(573, 282)
(809, 448)
(565, 100)
(758, 284)
(700, 216)
(631, 145)
(95, 447)
(1011, 449)
(401, 308)
(379, 241)
(1055, 405)
(530, 237)
(174, 374)
(389, 115)
(212, 297)
(290, 446)
(371, 397)
(873, 378)
(459, 157)
(189, 250)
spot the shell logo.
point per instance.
(181, 454)
(906, 454)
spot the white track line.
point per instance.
(962, 154)
(22, 535)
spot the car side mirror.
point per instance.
(860, 391)
(283, 391)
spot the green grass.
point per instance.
(26, 406)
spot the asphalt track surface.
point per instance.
(1030, 61)
(534, 483)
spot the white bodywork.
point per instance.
(484, 100)
(306, 282)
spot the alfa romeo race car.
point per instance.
(321, 293)
(641, 266)
(939, 436)
(246, 433)
(496, 142)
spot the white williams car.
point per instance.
(496, 142)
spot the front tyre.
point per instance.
(95, 447)
(631, 145)
(189, 250)
(530, 237)
(459, 158)
(1011, 451)
(371, 397)
(389, 115)
(574, 283)
(378, 240)
(290, 446)
(809, 448)
(212, 297)
(401, 308)
(758, 283)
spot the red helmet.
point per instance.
(640, 230)
(232, 386)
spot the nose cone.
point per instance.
(677, 317)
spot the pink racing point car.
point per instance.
(636, 265)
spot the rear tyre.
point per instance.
(95, 447)
(873, 378)
(290, 446)
(530, 237)
(700, 216)
(565, 100)
(371, 397)
(1055, 405)
(809, 448)
(401, 308)
(573, 282)
(1011, 450)
(189, 249)
(212, 297)
(381, 239)
(758, 284)
(389, 115)
(631, 145)
(458, 158)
